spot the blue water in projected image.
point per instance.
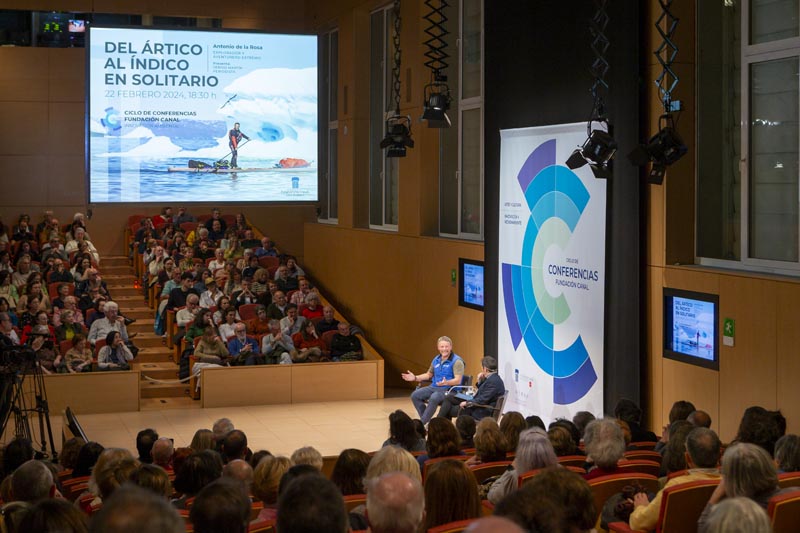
(156, 185)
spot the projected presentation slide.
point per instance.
(473, 284)
(693, 327)
(182, 116)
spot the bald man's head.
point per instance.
(395, 503)
(699, 419)
(494, 524)
(239, 469)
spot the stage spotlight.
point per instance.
(662, 150)
(597, 151)
(398, 136)
(437, 102)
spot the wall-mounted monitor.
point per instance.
(470, 283)
(179, 116)
(77, 26)
(691, 327)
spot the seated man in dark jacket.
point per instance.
(490, 388)
(344, 345)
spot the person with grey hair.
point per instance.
(110, 322)
(395, 504)
(132, 509)
(222, 427)
(738, 515)
(32, 482)
(490, 388)
(534, 451)
(747, 471)
(446, 370)
(702, 457)
(277, 347)
(605, 446)
(162, 451)
(787, 453)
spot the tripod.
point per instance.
(24, 393)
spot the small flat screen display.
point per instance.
(471, 284)
(690, 327)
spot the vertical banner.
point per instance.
(551, 274)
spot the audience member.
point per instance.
(210, 349)
(395, 504)
(162, 451)
(153, 478)
(605, 446)
(68, 457)
(244, 350)
(344, 345)
(393, 459)
(292, 323)
(199, 470)
(234, 446)
(110, 322)
(703, 450)
(444, 480)
(553, 500)
(240, 470)
(512, 425)
(490, 443)
(132, 510)
(87, 459)
(115, 355)
(277, 309)
(266, 480)
(443, 441)
(674, 453)
(54, 516)
(310, 348)
(738, 515)
(144, 444)
(203, 439)
(32, 482)
(308, 455)
(490, 387)
(328, 322)
(311, 503)
(533, 451)
(16, 453)
(465, 425)
(629, 412)
(700, 419)
(277, 347)
(787, 454)
(562, 442)
(747, 471)
(493, 524)
(760, 427)
(402, 433)
(221, 507)
(221, 427)
(349, 471)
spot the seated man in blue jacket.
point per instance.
(490, 388)
(446, 370)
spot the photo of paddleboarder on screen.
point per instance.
(234, 138)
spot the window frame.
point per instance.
(752, 54)
(332, 157)
(464, 105)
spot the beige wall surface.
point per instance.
(760, 369)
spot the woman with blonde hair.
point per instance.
(203, 440)
(266, 480)
(490, 443)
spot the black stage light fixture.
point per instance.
(662, 150)
(398, 136)
(598, 150)
(437, 102)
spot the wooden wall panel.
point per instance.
(65, 129)
(398, 290)
(700, 386)
(344, 381)
(237, 386)
(67, 69)
(788, 349)
(94, 392)
(29, 134)
(748, 371)
(24, 75)
(655, 363)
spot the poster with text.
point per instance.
(551, 274)
(164, 107)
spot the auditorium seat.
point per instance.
(354, 500)
(645, 467)
(572, 460)
(646, 455)
(681, 506)
(452, 527)
(247, 311)
(784, 512)
(604, 487)
(527, 476)
(643, 445)
(789, 479)
(484, 471)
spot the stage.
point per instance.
(328, 426)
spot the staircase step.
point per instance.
(159, 370)
(159, 390)
(149, 340)
(116, 269)
(124, 291)
(116, 260)
(139, 312)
